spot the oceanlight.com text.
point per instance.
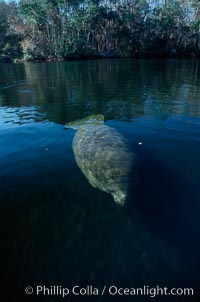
(90, 290)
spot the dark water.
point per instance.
(56, 228)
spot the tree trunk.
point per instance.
(199, 38)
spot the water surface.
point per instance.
(56, 228)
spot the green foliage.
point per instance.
(57, 29)
(9, 39)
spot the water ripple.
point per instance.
(20, 115)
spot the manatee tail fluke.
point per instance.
(94, 120)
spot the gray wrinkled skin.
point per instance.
(104, 158)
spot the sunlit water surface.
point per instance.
(56, 228)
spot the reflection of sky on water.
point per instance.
(60, 229)
(13, 84)
(20, 115)
(120, 90)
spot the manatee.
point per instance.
(103, 155)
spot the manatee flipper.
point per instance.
(92, 184)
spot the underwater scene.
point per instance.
(100, 179)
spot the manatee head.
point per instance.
(94, 120)
(119, 197)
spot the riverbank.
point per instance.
(99, 57)
(60, 30)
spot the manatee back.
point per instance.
(103, 156)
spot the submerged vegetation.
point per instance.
(65, 29)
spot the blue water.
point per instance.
(56, 228)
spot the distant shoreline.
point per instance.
(94, 58)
